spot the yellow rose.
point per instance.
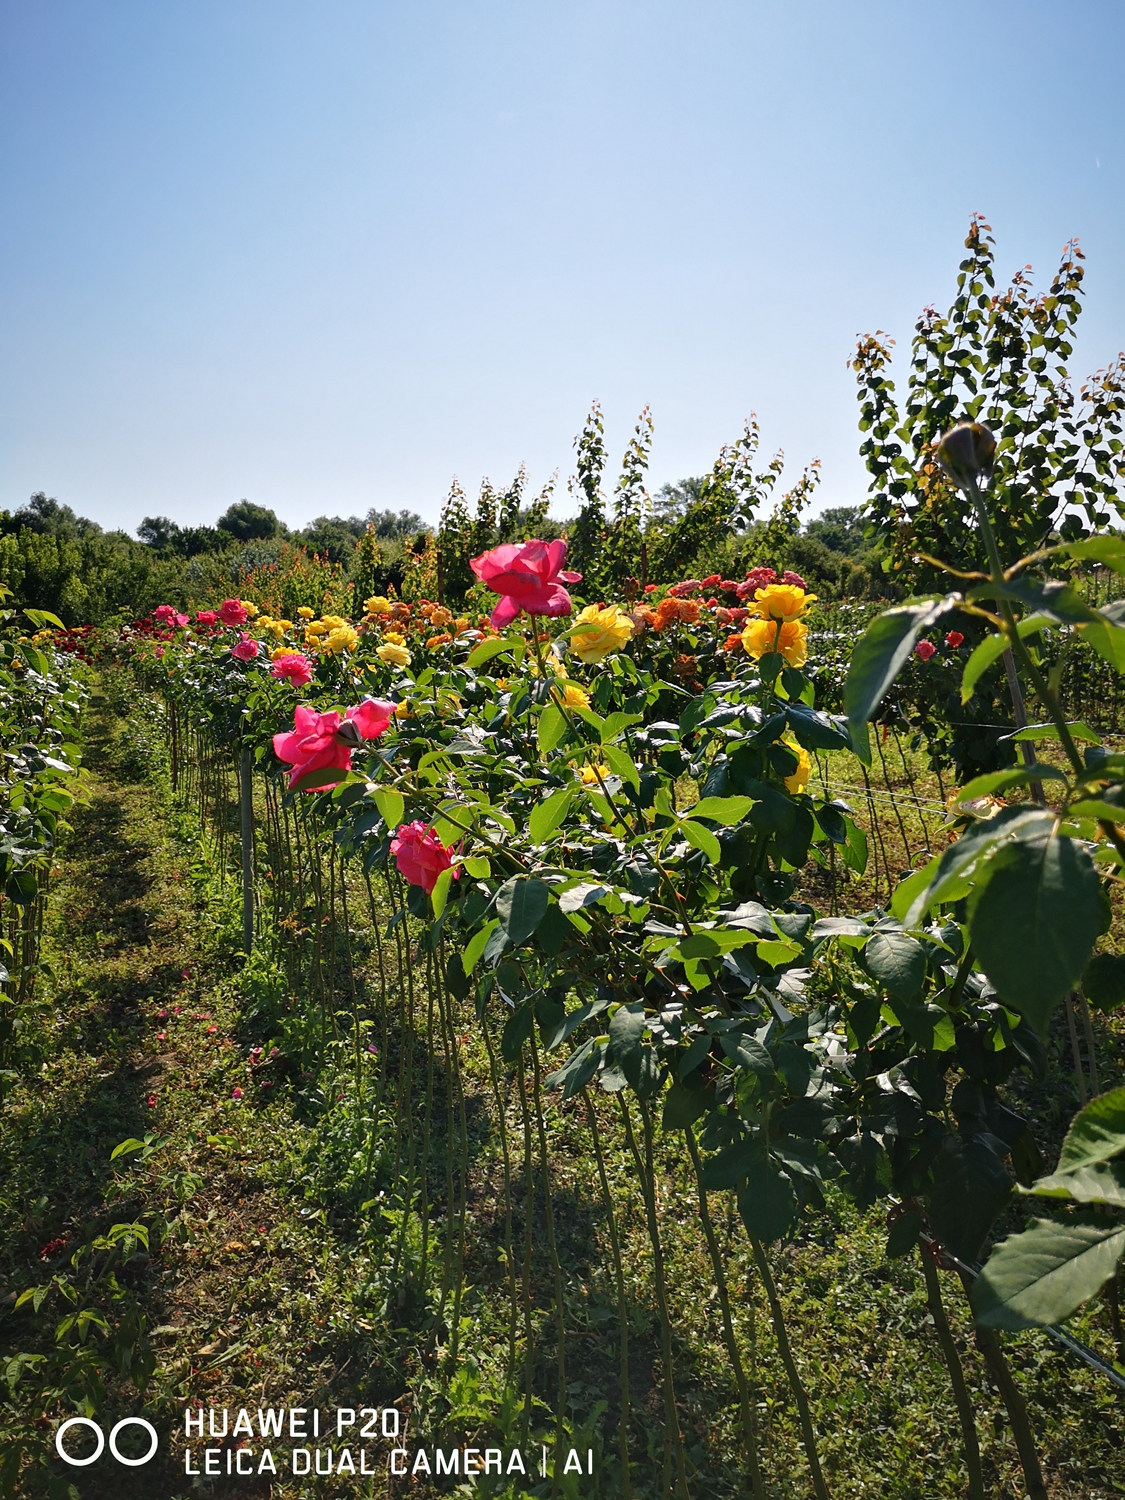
(800, 777)
(762, 636)
(249, 606)
(341, 638)
(605, 630)
(572, 696)
(780, 601)
(394, 654)
(305, 612)
(395, 637)
(378, 605)
(590, 774)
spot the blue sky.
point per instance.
(325, 256)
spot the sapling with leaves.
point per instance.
(1034, 876)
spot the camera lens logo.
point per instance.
(99, 1435)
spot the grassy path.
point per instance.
(143, 1039)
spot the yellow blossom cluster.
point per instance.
(330, 634)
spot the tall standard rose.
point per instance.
(529, 576)
(319, 746)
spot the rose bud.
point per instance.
(966, 451)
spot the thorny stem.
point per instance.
(749, 1423)
(988, 1342)
(808, 1433)
(961, 1396)
(622, 1308)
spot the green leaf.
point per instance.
(776, 952)
(440, 893)
(578, 1069)
(1042, 1275)
(1107, 551)
(1104, 981)
(476, 945)
(903, 1236)
(970, 1187)
(1096, 1134)
(1093, 807)
(548, 814)
(626, 1033)
(41, 617)
(1108, 641)
(1078, 731)
(132, 1144)
(949, 871)
(702, 838)
(1101, 1185)
(683, 1106)
(882, 652)
(521, 903)
(483, 653)
(479, 866)
(897, 962)
(621, 765)
(815, 730)
(34, 658)
(552, 727)
(1000, 781)
(712, 943)
(391, 805)
(613, 725)
(767, 1203)
(722, 809)
(1034, 916)
(1051, 597)
(992, 648)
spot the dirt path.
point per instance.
(139, 1038)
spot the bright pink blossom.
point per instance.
(420, 855)
(924, 650)
(529, 576)
(682, 590)
(205, 617)
(319, 746)
(954, 639)
(233, 612)
(757, 578)
(181, 620)
(164, 613)
(294, 666)
(247, 648)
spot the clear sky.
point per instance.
(324, 256)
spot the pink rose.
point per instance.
(295, 667)
(247, 648)
(319, 746)
(181, 620)
(794, 579)
(682, 590)
(954, 639)
(420, 855)
(757, 578)
(205, 617)
(233, 612)
(529, 576)
(164, 613)
(924, 650)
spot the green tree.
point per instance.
(247, 522)
(1002, 358)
